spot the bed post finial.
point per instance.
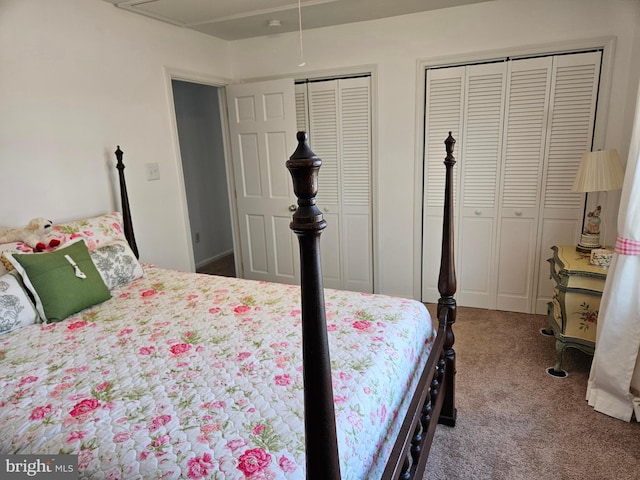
(303, 166)
(124, 201)
(322, 461)
(447, 289)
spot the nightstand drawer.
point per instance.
(579, 313)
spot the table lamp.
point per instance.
(599, 171)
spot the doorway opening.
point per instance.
(198, 113)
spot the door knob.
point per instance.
(292, 208)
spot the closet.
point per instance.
(521, 128)
(337, 115)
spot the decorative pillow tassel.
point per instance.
(79, 273)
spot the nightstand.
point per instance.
(573, 312)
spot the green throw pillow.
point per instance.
(63, 282)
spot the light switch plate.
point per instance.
(153, 171)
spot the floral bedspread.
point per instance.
(182, 375)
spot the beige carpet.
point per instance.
(224, 267)
(517, 422)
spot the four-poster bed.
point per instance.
(193, 376)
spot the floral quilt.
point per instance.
(182, 375)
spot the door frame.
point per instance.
(606, 44)
(221, 83)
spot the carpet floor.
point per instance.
(223, 266)
(517, 422)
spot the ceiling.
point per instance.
(238, 19)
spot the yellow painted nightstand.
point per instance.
(573, 312)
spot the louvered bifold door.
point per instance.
(340, 134)
(480, 170)
(444, 99)
(355, 183)
(302, 114)
(574, 92)
(528, 85)
(323, 139)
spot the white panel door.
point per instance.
(262, 125)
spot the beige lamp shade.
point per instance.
(599, 171)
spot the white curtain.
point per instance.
(614, 380)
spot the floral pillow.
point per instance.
(96, 231)
(16, 309)
(117, 264)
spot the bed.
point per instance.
(151, 373)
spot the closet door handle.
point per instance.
(478, 212)
(292, 208)
(518, 213)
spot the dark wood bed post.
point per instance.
(124, 201)
(321, 445)
(433, 401)
(447, 289)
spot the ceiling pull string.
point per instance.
(302, 62)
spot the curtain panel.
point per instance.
(614, 380)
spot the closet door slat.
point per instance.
(445, 97)
(324, 127)
(573, 103)
(525, 132)
(356, 141)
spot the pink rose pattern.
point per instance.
(151, 371)
(253, 461)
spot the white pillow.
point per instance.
(16, 309)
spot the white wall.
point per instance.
(78, 78)
(396, 47)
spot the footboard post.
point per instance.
(322, 461)
(447, 289)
